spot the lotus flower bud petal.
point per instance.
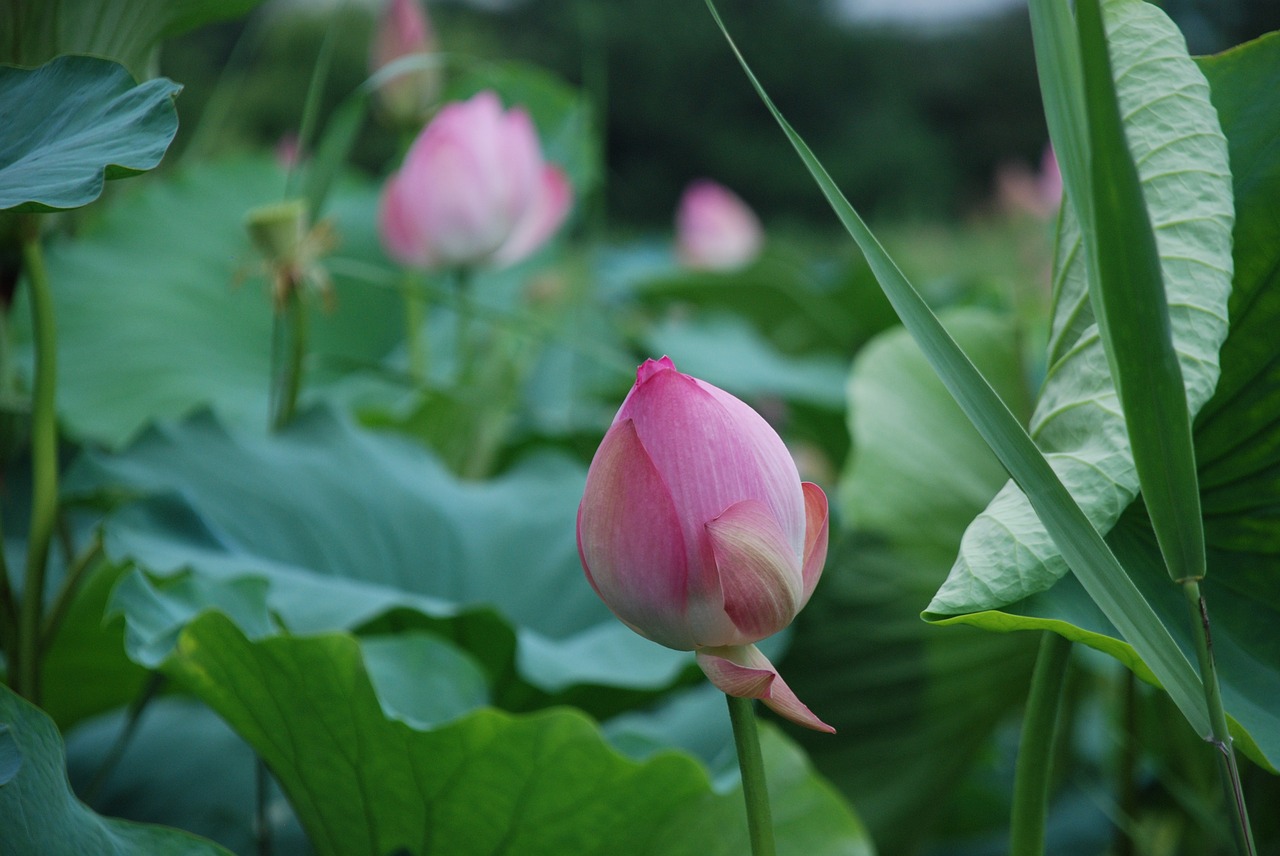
(758, 571)
(715, 229)
(742, 671)
(473, 190)
(404, 30)
(696, 530)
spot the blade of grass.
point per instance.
(1128, 300)
(1058, 66)
(1084, 549)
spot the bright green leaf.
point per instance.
(541, 783)
(73, 123)
(1178, 146)
(40, 814)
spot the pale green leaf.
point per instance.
(1181, 155)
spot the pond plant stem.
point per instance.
(289, 334)
(44, 466)
(1220, 734)
(746, 740)
(1035, 748)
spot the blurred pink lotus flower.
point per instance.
(473, 190)
(404, 30)
(715, 230)
(696, 530)
(1019, 190)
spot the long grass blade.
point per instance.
(1080, 543)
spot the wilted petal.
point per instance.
(816, 534)
(630, 542)
(742, 671)
(759, 572)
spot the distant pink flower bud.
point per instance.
(1019, 190)
(473, 190)
(404, 30)
(696, 530)
(715, 230)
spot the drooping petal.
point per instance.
(759, 572)
(630, 541)
(742, 671)
(816, 535)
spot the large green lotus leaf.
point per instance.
(124, 30)
(148, 778)
(1237, 440)
(347, 529)
(161, 307)
(1181, 155)
(38, 812)
(531, 784)
(913, 708)
(73, 123)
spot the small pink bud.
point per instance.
(715, 230)
(473, 190)
(405, 30)
(696, 530)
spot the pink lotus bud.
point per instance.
(404, 30)
(473, 190)
(696, 530)
(715, 230)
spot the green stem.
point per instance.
(751, 762)
(1220, 734)
(464, 309)
(290, 337)
(76, 571)
(1035, 749)
(415, 314)
(153, 686)
(44, 466)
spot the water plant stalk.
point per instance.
(44, 465)
(1035, 749)
(75, 575)
(746, 739)
(1220, 733)
(290, 350)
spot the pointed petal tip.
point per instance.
(744, 672)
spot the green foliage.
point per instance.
(42, 815)
(545, 783)
(1007, 554)
(128, 31)
(74, 122)
(1237, 478)
(914, 708)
